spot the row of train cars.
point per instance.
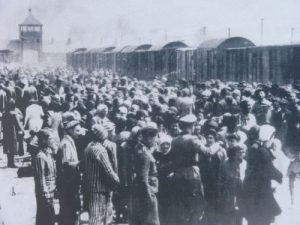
(230, 59)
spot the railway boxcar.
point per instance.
(143, 62)
(108, 59)
(231, 59)
(170, 57)
(276, 64)
(129, 61)
(211, 60)
(185, 64)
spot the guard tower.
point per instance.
(31, 36)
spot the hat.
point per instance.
(69, 120)
(266, 132)
(189, 119)
(101, 108)
(135, 130)
(123, 110)
(149, 130)
(43, 133)
(99, 132)
(212, 132)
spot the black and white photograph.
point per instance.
(149, 112)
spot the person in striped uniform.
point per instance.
(45, 179)
(68, 171)
(100, 178)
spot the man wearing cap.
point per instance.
(68, 171)
(100, 178)
(145, 184)
(188, 188)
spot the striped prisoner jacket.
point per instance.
(99, 175)
(45, 173)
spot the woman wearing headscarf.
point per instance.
(164, 168)
(260, 205)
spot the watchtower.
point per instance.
(31, 36)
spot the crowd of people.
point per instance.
(151, 152)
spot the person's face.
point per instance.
(197, 130)
(240, 155)
(103, 113)
(200, 116)
(165, 147)
(210, 140)
(76, 131)
(175, 128)
(232, 142)
(151, 141)
(261, 95)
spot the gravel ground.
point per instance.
(18, 206)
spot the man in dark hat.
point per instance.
(68, 171)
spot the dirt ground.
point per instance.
(18, 207)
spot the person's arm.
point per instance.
(19, 123)
(272, 171)
(40, 176)
(66, 157)
(201, 148)
(103, 159)
(142, 170)
(26, 117)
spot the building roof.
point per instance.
(233, 42)
(109, 49)
(143, 47)
(129, 48)
(31, 20)
(175, 44)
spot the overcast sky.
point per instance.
(95, 23)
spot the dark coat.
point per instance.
(145, 187)
(259, 202)
(11, 131)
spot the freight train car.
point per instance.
(211, 60)
(186, 64)
(231, 59)
(276, 64)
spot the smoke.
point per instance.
(92, 23)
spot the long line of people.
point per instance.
(150, 153)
